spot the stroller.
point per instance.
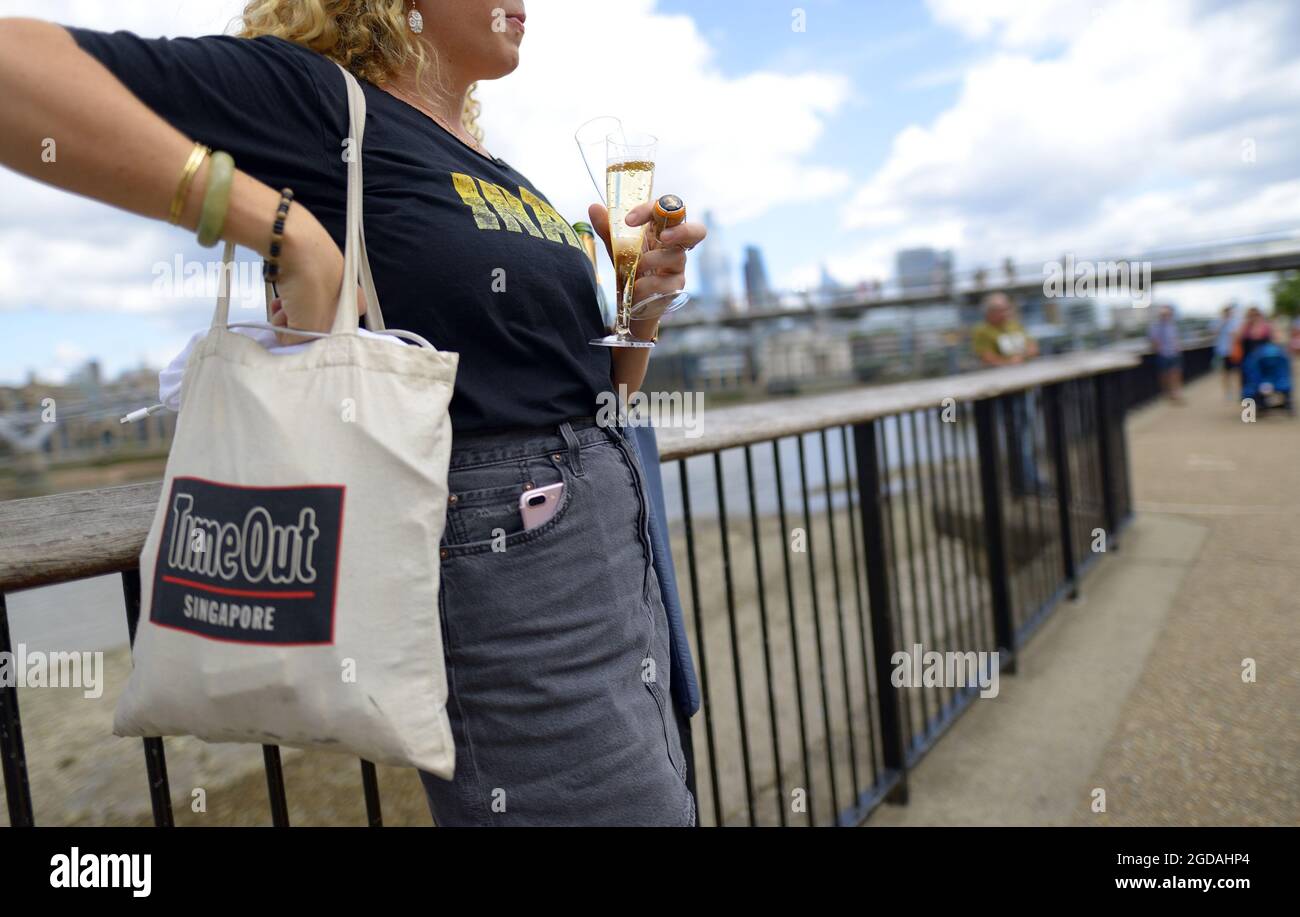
(1266, 378)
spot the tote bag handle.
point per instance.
(346, 318)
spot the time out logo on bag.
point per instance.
(249, 564)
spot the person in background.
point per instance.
(1169, 353)
(1000, 340)
(1255, 330)
(1225, 331)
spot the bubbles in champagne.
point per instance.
(628, 184)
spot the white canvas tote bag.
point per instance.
(290, 576)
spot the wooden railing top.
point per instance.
(71, 536)
(740, 425)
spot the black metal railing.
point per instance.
(819, 538)
(954, 514)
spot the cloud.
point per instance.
(741, 143)
(1018, 23)
(67, 357)
(1091, 127)
(757, 130)
(148, 17)
(59, 251)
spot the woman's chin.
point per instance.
(501, 58)
(505, 63)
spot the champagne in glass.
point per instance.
(629, 180)
(628, 183)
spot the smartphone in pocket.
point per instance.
(536, 507)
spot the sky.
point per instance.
(829, 134)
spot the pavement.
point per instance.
(1169, 693)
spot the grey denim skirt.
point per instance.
(556, 640)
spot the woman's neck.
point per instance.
(442, 93)
(447, 104)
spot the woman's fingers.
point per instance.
(662, 261)
(684, 235)
(657, 283)
(639, 214)
(662, 269)
(280, 319)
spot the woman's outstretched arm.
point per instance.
(108, 145)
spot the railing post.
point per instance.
(18, 791)
(1056, 441)
(986, 441)
(155, 758)
(370, 786)
(880, 610)
(1109, 455)
(275, 786)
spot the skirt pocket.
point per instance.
(483, 506)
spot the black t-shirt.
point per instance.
(464, 250)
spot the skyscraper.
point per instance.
(757, 290)
(828, 288)
(715, 287)
(922, 268)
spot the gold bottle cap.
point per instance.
(669, 210)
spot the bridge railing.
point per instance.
(814, 540)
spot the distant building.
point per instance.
(46, 424)
(828, 288)
(1129, 319)
(802, 356)
(1078, 313)
(923, 269)
(1065, 312)
(758, 292)
(715, 295)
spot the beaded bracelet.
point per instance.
(271, 266)
(216, 199)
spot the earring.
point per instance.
(415, 20)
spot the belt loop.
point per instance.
(575, 448)
(612, 428)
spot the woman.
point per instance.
(1255, 330)
(557, 646)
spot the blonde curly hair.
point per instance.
(368, 37)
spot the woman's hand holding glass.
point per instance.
(662, 267)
